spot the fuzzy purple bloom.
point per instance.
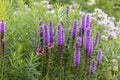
(51, 31)
(2, 27)
(74, 29)
(93, 67)
(99, 56)
(60, 36)
(2, 30)
(88, 21)
(87, 38)
(90, 47)
(77, 52)
(82, 25)
(96, 39)
(46, 36)
(67, 11)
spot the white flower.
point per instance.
(49, 6)
(114, 61)
(35, 3)
(104, 37)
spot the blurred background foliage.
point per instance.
(111, 7)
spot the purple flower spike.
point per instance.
(83, 25)
(77, 52)
(67, 11)
(99, 56)
(2, 27)
(96, 39)
(74, 29)
(93, 67)
(77, 55)
(60, 36)
(46, 36)
(88, 23)
(51, 32)
(2, 30)
(90, 50)
(87, 38)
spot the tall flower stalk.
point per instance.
(46, 39)
(99, 57)
(82, 25)
(67, 13)
(87, 43)
(51, 33)
(41, 25)
(74, 29)
(60, 38)
(92, 68)
(77, 55)
(40, 51)
(96, 39)
(2, 31)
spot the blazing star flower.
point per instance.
(77, 52)
(67, 11)
(93, 67)
(88, 23)
(77, 55)
(96, 39)
(2, 27)
(88, 43)
(2, 30)
(60, 36)
(74, 29)
(82, 25)
(90, 47)
(51, 31)
(46, 36)
(99, 56)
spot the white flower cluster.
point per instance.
(110, 30)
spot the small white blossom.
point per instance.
(114, 61)
(35, 3)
